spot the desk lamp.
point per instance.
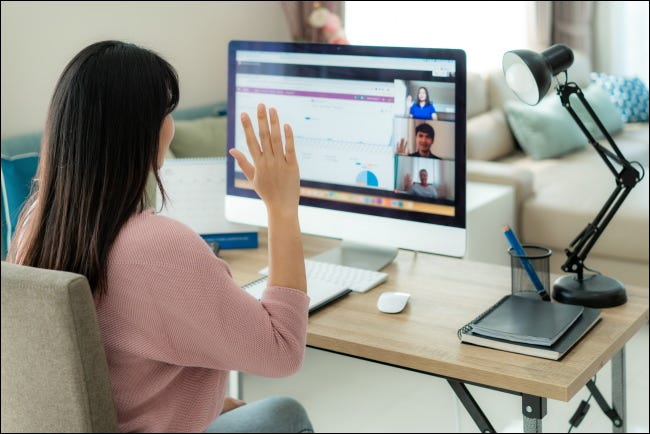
(529, 75)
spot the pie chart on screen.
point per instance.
(368, 179)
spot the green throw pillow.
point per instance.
(606, 110)
(200, 138)
(547, 130)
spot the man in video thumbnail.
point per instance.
(424, 137)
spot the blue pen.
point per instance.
(521, 253)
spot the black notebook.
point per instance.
(530, 321)
(585, 322)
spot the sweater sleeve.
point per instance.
(185, 308)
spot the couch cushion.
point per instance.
(547, 130)
(489, 136)
(200, 138)
(477, 101)
(629, 94)
(604, 108)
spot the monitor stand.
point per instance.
(358, 255)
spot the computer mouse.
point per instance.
(392, 301)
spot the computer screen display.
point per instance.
(379, 135)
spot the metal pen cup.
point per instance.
(521, 281)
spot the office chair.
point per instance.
(54, 370)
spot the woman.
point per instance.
(172, 319)
(422, 108)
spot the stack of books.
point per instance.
(530, 326)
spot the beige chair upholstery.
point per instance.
(54, 371)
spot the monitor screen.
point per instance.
(379, 134)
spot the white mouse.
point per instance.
(392, 301)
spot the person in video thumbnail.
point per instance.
(422, 108)
(423, 188)
(424, 137)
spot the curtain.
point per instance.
(562, 22)
(297, 14)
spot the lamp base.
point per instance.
(595, 290)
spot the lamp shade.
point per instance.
(529, 74)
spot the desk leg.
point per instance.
(618, 389)
(533, 409)
(471, 406)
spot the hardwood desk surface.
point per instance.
(446, 293)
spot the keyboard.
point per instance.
(356, 279)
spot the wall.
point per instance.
(39, 38)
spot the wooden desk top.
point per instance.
(446, 293)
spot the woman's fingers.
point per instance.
(289, 147)
(276, 136)
(242, 161)
(270, 142)
(263, 125)
(251, 140)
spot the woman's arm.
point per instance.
(276, 179)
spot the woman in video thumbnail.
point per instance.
(422, 108)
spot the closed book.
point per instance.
(589, 318)
(531, 321)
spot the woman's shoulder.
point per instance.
(146, 233)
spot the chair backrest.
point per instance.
(54, 370)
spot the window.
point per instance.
(485, 30)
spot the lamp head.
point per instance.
(529, 74)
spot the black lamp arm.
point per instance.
(626, 179)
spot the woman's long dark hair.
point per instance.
(101, 142)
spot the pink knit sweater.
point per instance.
(174, 323)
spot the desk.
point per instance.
(447, 293)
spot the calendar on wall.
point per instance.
(195, 189)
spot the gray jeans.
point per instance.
(277, 414)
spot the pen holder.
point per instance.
(539, 259)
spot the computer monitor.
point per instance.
(366, 177)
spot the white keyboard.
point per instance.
(356, 279)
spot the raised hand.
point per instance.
(276, 179)
(274, 171)
(401, 146)
(408, 181)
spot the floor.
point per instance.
(342, 394)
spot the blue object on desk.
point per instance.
(521, 253)
(238, 240)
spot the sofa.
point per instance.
(558, 191)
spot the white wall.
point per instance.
(39, 38)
